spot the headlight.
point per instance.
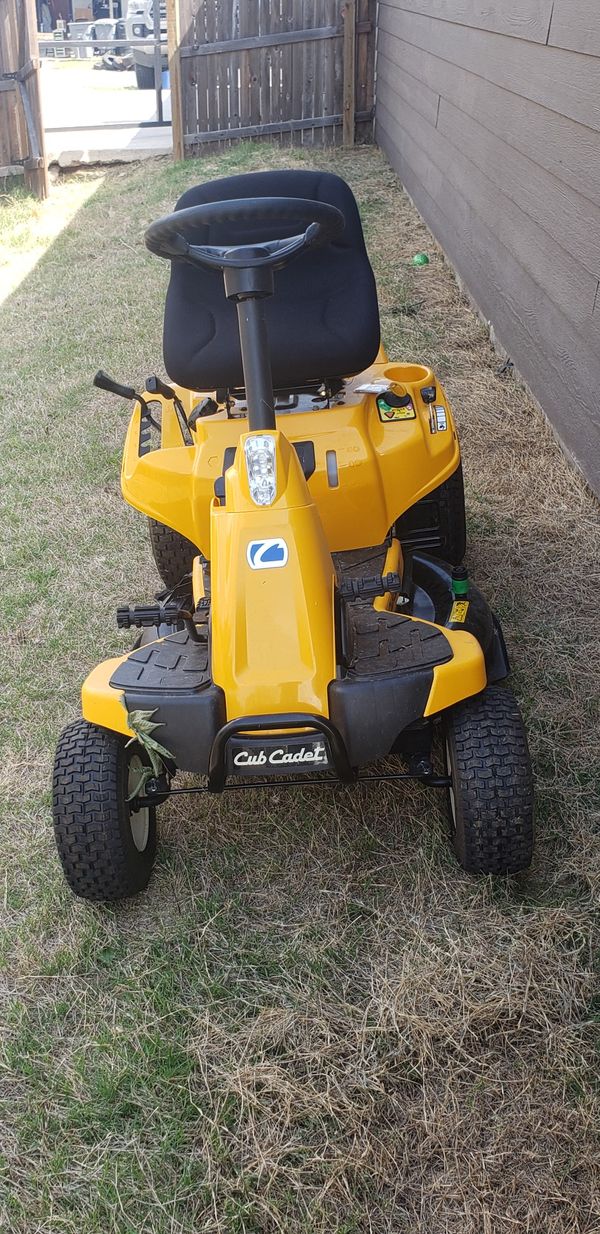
(261, 468)
(139, 32)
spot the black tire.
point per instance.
(437, 524)
(94, 826)
(172, 553)
(144, 77)
(491, 800)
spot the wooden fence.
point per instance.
(300, 72)
(21, 128)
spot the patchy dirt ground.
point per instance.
(313, 1021)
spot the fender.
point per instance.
(272, 582)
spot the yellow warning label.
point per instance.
(459, 610)
(396, 413)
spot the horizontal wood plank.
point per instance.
(566, 149)
(404, 87)
(562, 369)
(267, 130)
(560, 80)
(576, 25)
(557, 210)
(565, 281)
(261, 40)
(523, 19)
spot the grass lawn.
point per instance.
(313, 1021)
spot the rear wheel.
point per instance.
(491, 798)
(172, 553)
(437, 524)
(144, 77)
(106, 843)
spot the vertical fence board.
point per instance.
(36, 179)
(174, 38)
(286, 71)
(366, 15)
(316, 98)
(297, 66)
(273, 25)
(330, 84)
(265, 62)
(349, 105)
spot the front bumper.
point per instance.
(399, 671)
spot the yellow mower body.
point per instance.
(307, 519)
(383, 466)
(273, 632)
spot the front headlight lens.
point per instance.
(261, 468)
(139, 32)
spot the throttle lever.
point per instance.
(104, 382)
(207, 407)
(154, 385)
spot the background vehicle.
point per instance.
(110, 30)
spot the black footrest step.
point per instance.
(364, 588)
(175, 663)
(145, 615)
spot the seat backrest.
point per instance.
(323, 320)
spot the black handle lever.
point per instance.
(104, 382)
(154, 385)
(207, 407)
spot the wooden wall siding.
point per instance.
(524, 19)
(272, 68)
(576, 25)
(494, 127)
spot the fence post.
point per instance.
(36, 174)
(174, 39)
(349, 95)
(22, 110)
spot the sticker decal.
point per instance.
(281, 756)
(389, 413)
(459, 611)
(374, 387)
(441, 419)
(267, 554)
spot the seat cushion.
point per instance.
(323, 320)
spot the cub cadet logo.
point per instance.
(278, 758)
(267, 554)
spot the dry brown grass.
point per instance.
(313, 1021)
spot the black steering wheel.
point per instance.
(321, 223)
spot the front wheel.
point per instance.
(437, 523)
(491, 797)
(173, 554)
(106, 845)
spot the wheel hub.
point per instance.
(139, 820)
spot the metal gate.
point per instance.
(297, 71)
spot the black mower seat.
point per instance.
(323, 319)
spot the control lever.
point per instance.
(104, 382)
(154, 385)
(147, 615)
(207, 407)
